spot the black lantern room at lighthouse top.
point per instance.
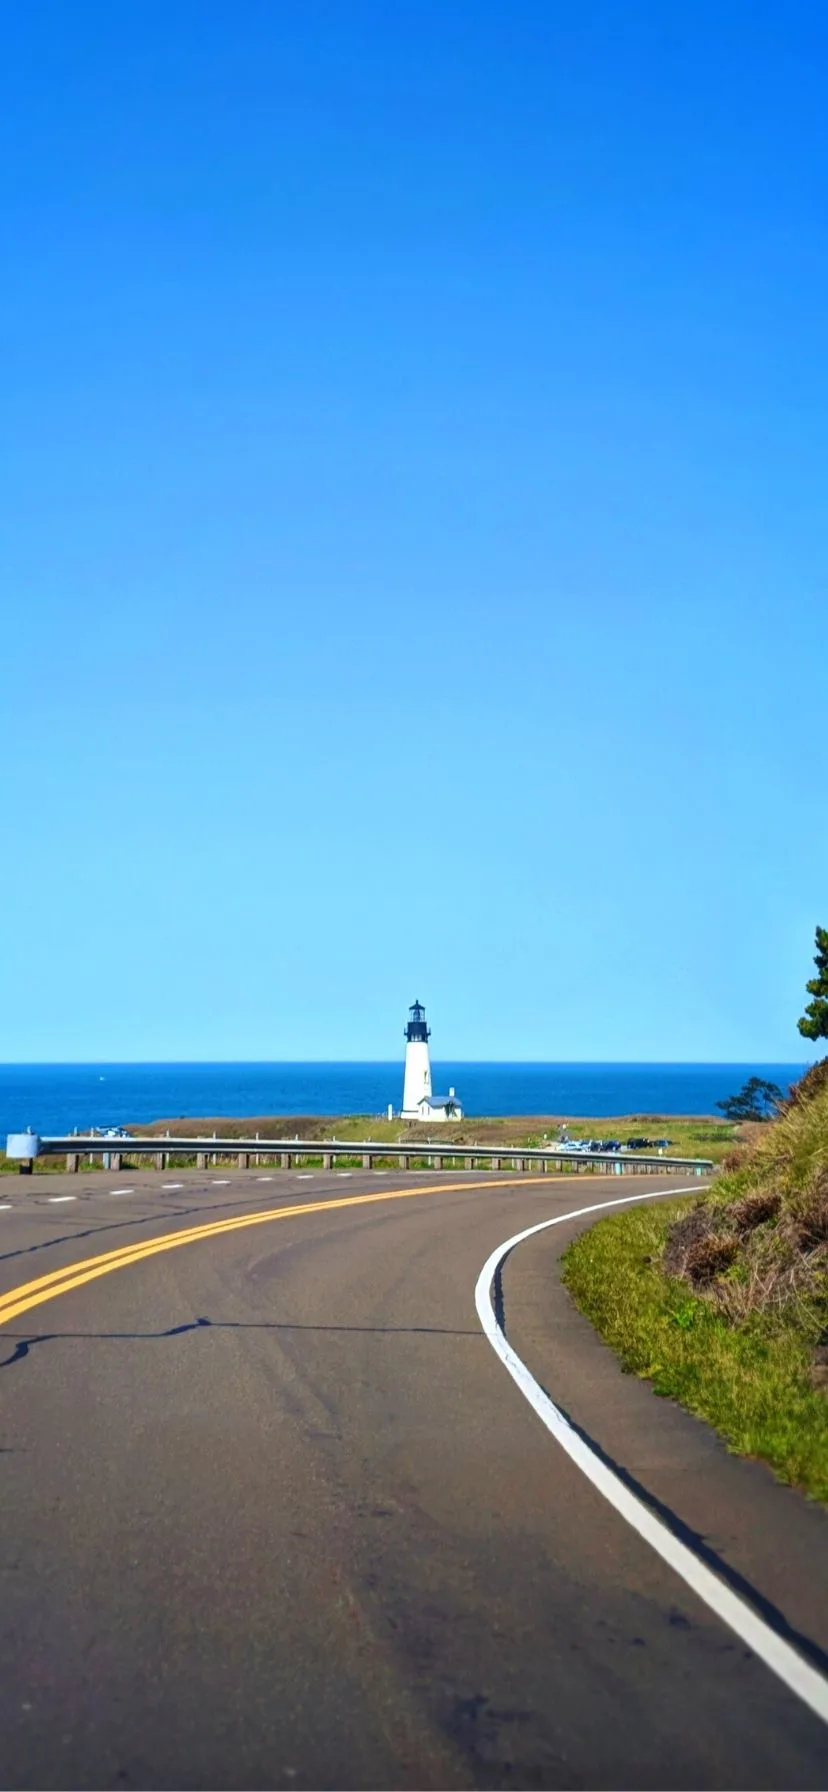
(417, 1028)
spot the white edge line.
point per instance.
(5, 1203)
(786, 1662)
(121, 1191)
(169, 1185)
(53, 1199)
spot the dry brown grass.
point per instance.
(735, 1159)
(758, 1245)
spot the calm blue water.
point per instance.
(56, 1098)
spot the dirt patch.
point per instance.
(687, 1236)
(744, 1216)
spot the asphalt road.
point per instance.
(274, 1515)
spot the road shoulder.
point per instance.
(767, 1539)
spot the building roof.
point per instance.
(438, 1101)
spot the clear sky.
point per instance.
(414, 531)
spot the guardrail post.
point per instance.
(201, 1160)
(72, 1162)
(244, 1160)
(159, 1160)
(115, 1160)
(404, 1161)
(285, 1160)
(367, 1160)
(327, 1160)
(495, 1163)
(469, 1163)
(437, 1163)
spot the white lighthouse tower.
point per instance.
(418, 1101)
(417, 1080)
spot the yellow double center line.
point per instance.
(61, 1281)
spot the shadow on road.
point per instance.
(26, 1344)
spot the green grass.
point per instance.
(43, 1166)
(693, 1137)
(736, 1348)
(690, 1137)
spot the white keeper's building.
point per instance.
(419, 1101)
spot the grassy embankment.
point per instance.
(721, 1301)
(693, 1137)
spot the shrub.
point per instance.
(809, 1085)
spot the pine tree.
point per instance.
(814, 1022)
(758, 1100)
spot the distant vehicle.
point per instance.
(610, 1144)
(663, 1143)
(639, 1144)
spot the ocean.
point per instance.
(57, 1098)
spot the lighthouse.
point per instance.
(418, 1101)
(417, 1080)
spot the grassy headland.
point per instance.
(721, 1301)
(700, 1136)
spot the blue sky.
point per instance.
(413, 527)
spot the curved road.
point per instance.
(274, 1515)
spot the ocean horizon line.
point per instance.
(500, 1063)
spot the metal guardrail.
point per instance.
(288, 1152)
